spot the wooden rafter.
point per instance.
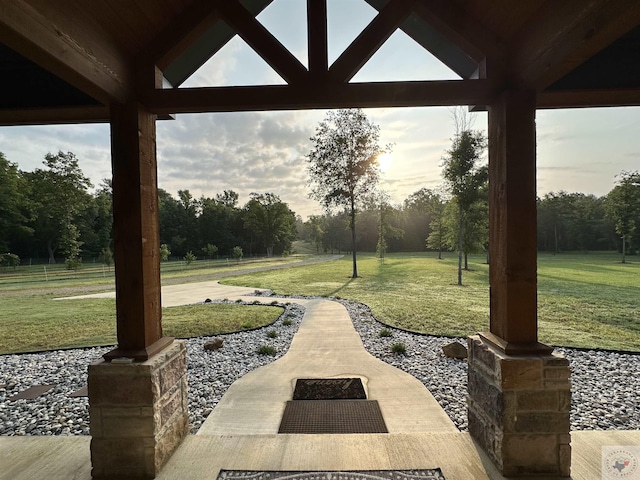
(370, 40)
(263, 42)
(565, 34)
(50, 116)
(324, 96)
(589, 98)
(85, 59)
(178, 36)
(460, 28)
(317, 37)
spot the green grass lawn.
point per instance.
(31, 320)
(585, 300)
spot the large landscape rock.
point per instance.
(455, 350)
(214, 344)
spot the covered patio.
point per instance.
(122, 62)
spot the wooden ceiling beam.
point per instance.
(589, 98)
(52, 116)
(454, 23)
(321, 96)
(317, 37)
(78, 54)
(180, 34)
(262, 41)
(563, 35)
(370, 40)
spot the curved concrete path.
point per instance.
(326, 346)
(239, 432)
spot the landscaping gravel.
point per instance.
(604, 384)
(209, 373)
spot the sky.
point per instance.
(579, 150)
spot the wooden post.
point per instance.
(136, 233)
(512, 223)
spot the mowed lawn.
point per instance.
(585, 300)
(31, 319)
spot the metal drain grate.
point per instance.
(329, 389)
(332, 416)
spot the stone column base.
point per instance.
(518, 409)
(139, 414)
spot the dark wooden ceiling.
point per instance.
(67, 60)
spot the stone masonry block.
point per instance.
(139, 414)
(519, 413)
(556, 373)
(536, 400)
(520, 373)
(488, 397)
(481, 353)
(530, 454)
(542, 422)
(555, 360)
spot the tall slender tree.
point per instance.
(465, 178)
(623, 207)
(343, 164)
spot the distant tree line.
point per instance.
(566, 222)
(51, 214)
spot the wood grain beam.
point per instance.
(262, 41)
(590, 98)
(51, 116)
(317, 37)
(370, 39)
(323, 96)
(455, 24)
(180, 34)
(512, 217)
(136, 232)
(563, 35)
(79, 54)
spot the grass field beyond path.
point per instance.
(585, 300)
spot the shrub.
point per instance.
(398, 349)
(385, 332)
(164, 252)
(189, 258)
(266, 350)
(286, 322)
(237, 253)
(9, 260)
(272, 334)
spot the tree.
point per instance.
(210, 250)
(15, 212)
(270, 220)
(436, 208)
(164, 252)
(59, 195)
(386, 231)
(237, 253)
(623, 206)
(343, 164)
(465, 179)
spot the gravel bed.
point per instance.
(209, 373)
(604, 384)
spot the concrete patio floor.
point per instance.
(241, 432)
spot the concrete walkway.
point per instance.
(241, 431)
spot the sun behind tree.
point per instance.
(343, 164)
